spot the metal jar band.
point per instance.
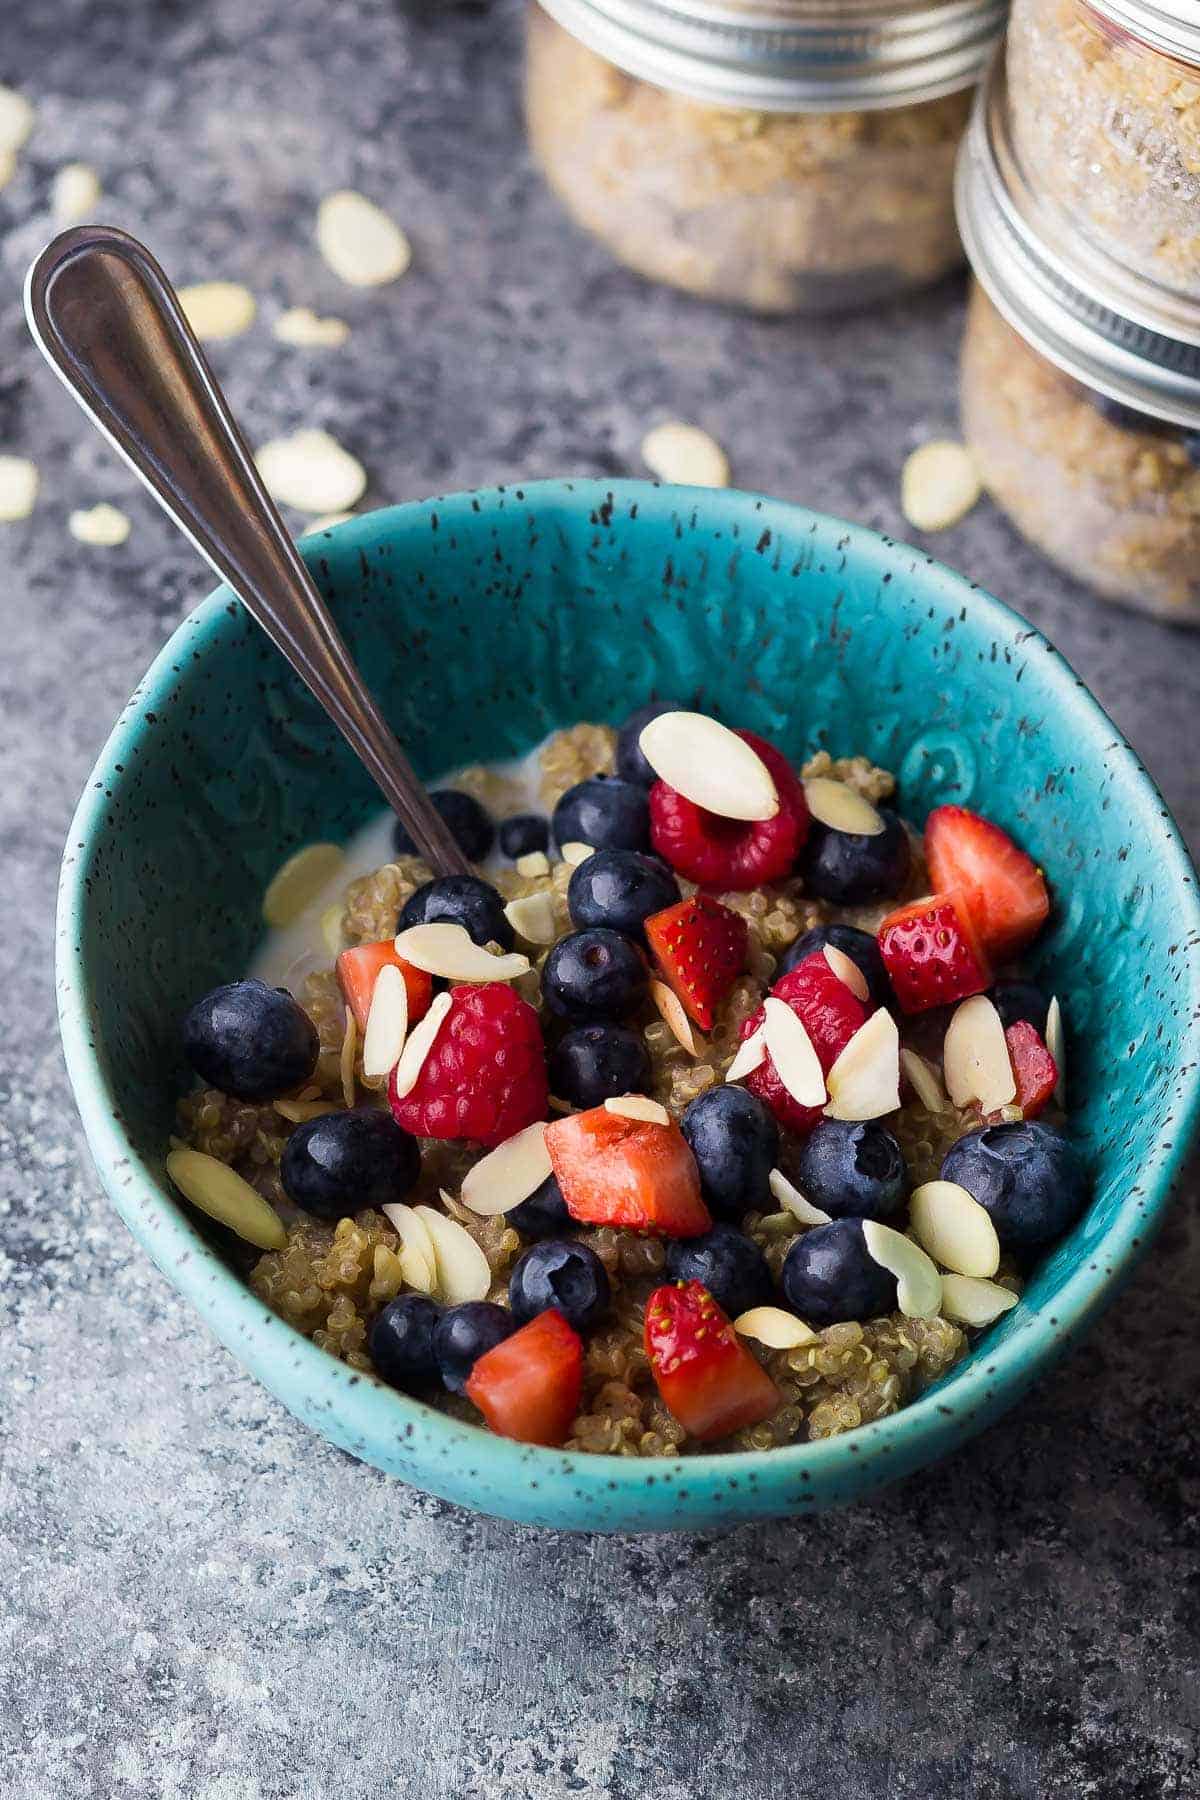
(1171, 26)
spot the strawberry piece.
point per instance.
(701, 949)
(1004, 889)
(931, 951)
(358, 970)
(705, 1374)
(732, 853)
(485, 1075)
(830, 1014)
(632, 1172)
(529, 1385)
(1035, 1069)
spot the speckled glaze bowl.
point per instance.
(483, 621)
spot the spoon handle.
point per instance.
(110, 325)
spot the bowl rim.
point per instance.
(925, 1426)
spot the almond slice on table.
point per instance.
(751, 1055)
(387, 1023)
(508, 1174)
(216, 310)
(709, 765)
(790, 1197)
(956, 1231)
(301, 327)
(463, 1271)
(1056, 1044)
(448, 950)
(221, 1192)
(847, 971)
(102, 526)
(841, 807)
(684, 453)
(796, 1061)
(294, 887)
(420, 1043)
(18, 488)
(864, 1082)
(671, 1012)
(939, 485)
(74, 193)
(359, 241)
(968, 1301)
(975, 1057)
(312, 472)
(418, 1258)
(772, 1326)
(918, 1284)
(638, 1106)
(346, 1059)
(925, 1082)
(532, 918)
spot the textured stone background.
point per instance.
(203, 1602)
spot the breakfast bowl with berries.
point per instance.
(800, 1068)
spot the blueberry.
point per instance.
(559, 1272)
(725, 1261)
(829, 1276)
(604, 812)
(250, 1040)
(401, 1342)
(470, 826)
(463, 1334)
(1028, 1176)
(848, 867)
(853, 1170)
(594, 975)
(735, 1142)
(335, 1165)
(859, 946)
(543, 1215)
(594, 1063)
(523, 834)
(620, 889)
(1017, 1000)
(631, 764)
(460, 900)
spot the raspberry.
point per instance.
(831, 1015)
(732, 853)
(485, 1077)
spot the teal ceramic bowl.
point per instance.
(484, 620)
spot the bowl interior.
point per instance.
(482, 622)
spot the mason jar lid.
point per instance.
(1109, 326)
(1173, 28)
(792, 55)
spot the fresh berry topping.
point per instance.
(605, 812)
(358, 970)
(465, 1333)
(485, 1075)
(830, 1276)
(614, 1170)
(469, 825)
(726, 1262)
(631, 763)
(830, 1014)
(735, 1141)
(335, 1165)
(732, 853)
(1034, 1069)
(852, 1170)
(859, 946)
(932, 954)
(543, 1215)
(1016, 1000)
(460, 900)
(251, 1041)
(595, 974)
(850, 867)
(1004, 889)
(1028, 1176)
(594, 1063)
(706, 1376)
(560, 1272)
(529, 1386)
(700, 946)
(401, 1342)
(523, 835)
(620, 889)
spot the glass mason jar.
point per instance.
(1106, 118)
(783, 155)
(1080, 386)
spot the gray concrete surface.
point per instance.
(200, 1600)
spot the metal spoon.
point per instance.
(110, 325)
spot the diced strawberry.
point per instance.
(632, 1172)
(732, 853)
(829, 1012)
(705, 1374)
(1035, 1069)
(701, 949)
(358, 969)
(931, 951)
(1004, 889)
(485, 1075)
(529, 1385)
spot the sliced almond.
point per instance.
(420, 1043)
(326, 522)
(346, 1060)
(218, 309)
(975, 1057)
(18, 488)
(752, 1055)
(684, 453)
(301, 327)
(847, 971)
(418, 1258)
(918, 1284)
(575, 853)
(939, 485)
(1056, 1044)
(709, 765)
(102, 526)
(332, 934)
(536, 862)
(299, 1112)
(796, 1061)
(864, 1082)
(638, 1106)
(532, 917)
(387, 1023)
(968, 1301)
(925, 1082)
(74, 193)
(671, 1011)
(221, 1192)
(794, 1202)
(772, 1326)
(296, 885)
(841, 807)
(311, 471)
(508, 1174)
(956, 1231)
(16, 119)
(359, 241)
(463, 1271)
(441, 948)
